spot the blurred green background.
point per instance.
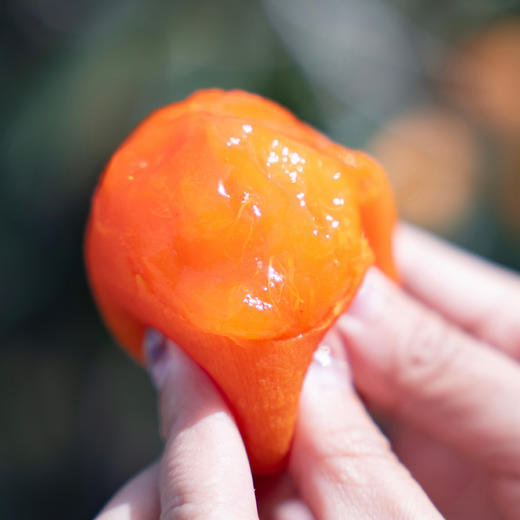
(430, 88)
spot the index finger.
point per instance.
(480, 297)
(341, 463)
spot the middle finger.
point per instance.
(409, 361)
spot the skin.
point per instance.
(436, 361)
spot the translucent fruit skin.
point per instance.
(241, 233)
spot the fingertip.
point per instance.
(186, 392)
(157, 355)
(331, 353)
(369, 323)
(370, 299)
(204, 470)
(340, 461)
(171, 368)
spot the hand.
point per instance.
(341, 466)
(440, 361)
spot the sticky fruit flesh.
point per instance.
(240, 233)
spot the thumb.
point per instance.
(204, 471)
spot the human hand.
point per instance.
(440, 361)
(340, 464)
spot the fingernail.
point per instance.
(368, 301)
(367, 324)
(322, 356)
(157, 355)
(328, 369)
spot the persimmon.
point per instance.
(240, 233)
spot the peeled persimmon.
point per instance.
(240, 233)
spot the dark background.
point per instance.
(431, 88)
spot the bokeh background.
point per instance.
(432, 89)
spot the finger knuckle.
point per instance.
(179, 502)
(178, 511)
(185, 503)
(192, 507)
(347, 456)
(427, 350)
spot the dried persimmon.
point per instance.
(240, 233)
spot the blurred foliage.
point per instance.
(78, 75)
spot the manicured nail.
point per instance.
(157, 355)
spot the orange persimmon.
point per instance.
(240, 233)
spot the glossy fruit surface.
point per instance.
(240, 233)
